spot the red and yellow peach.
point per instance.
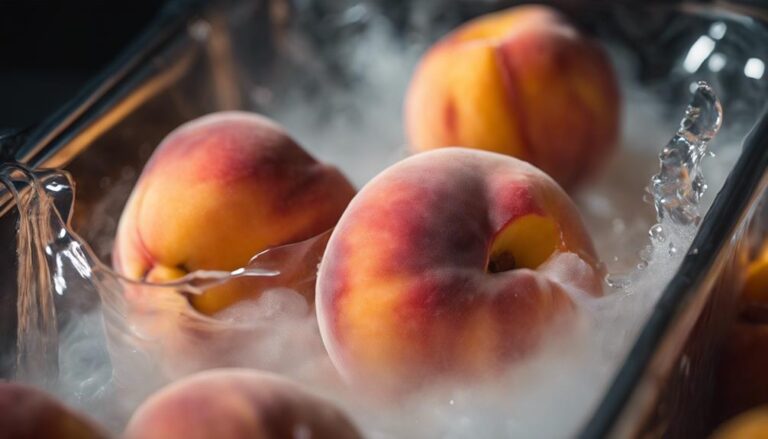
(522, 82)
(749, 425)
(756, 282)
(217, 191)
(440, 266)
(237, 404)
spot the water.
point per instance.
(617, 281)
(149, 346)
(37, 339)
(677, 189)
(53, 260)
(657, 234)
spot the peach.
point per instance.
(29, 413)
(522, 82)
(453, 262)
(217, 191)
(234, 404)
(756, 282)
(750, 425)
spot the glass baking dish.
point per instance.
(282, 58)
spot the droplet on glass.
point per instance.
(618, 281)
(672, 249)
(656, 232)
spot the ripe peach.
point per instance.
(522, 82)
(750, 425)
(237, 403)
(29, 413)
(451, 262)
(217, 191)
(756, 282)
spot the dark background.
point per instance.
(49, 50)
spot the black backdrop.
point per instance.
(49, 49)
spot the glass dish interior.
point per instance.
(334, 75)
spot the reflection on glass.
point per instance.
(754, 68)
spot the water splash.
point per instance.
(55, 261)
(37, 333)
(678, 187)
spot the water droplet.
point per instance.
(657, 234)
(451, 402)
(618, 281)
(642, 265)
(672, 249)
(646, 253)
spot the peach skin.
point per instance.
(445, 265)
(522, 82)
(237, 404)
(750, 425)
(217, 191)
(756, 282)
(29, 413)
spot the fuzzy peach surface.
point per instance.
(406, 290)
(217, 191)
(522, 82)
(237, 404)
(756, 282)
(750, 425)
